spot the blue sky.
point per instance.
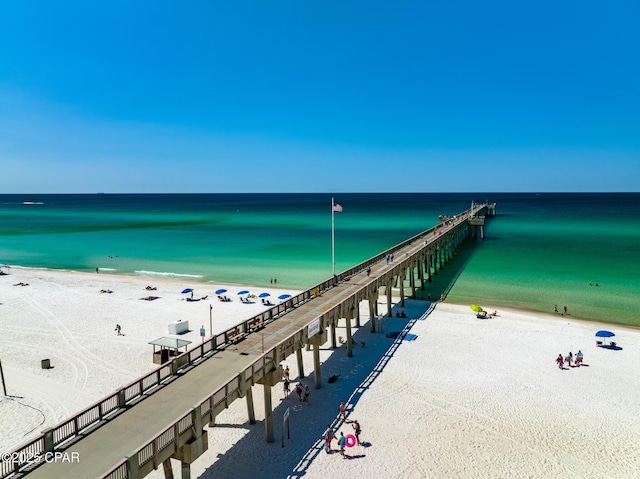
(331, 96)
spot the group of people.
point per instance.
(571, 360)
(303, 391)
(329, 435)
(564, 309)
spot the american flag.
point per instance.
(337, 208)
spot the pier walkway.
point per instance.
(162, 416)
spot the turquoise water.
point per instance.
(539, 251)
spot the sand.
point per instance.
(465, 398)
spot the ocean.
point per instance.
(540, 250)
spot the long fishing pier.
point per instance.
(162, 415)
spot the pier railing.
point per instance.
(52, 439)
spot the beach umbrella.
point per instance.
(604, 334)
(477, 308)
(282, 297)
(263, 295)
(187, 290)
(220, 291)
(244, 291)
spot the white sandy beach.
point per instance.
(466, 398)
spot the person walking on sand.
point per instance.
(285, 374)
(569, 359)
(341, 413)
(286, 388)
(341, 443)
(579, 358)
(356, 431)
(307, 392)
(560, 361)
(118, 330)
(299, 391)
(328, 435)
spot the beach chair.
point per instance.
(599, 344)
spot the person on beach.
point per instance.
(579, 358)
(307, 393)
(555, 308)
(341, 443)
(560, 361)
(328, 437)
(356, 430)
(342, 411)
(299, 391)
(286, 388)
(564, 308)
(285, 373)
(119, 330)
(569, 359)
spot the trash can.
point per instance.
(45, 363)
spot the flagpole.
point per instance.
(333, 241)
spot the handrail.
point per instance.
(23, 455)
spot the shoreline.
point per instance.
(186, 278)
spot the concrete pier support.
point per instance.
(269, 380)
(401, 286)
(412, 281)
(300, 363)
(316, 361)
(349, 336)
(334, 342)
(372, 313)
(168, 470)
(421, 274)
(185, 469)
(250, 409)
(435, 261)
(389, 299)
(268, 413)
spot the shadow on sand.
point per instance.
(356, 376)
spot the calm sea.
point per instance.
(541, 249)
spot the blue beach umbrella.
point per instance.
(282, 297)
(263, 295)
(187, 290)
(220, 291)
(604, 334)
(244, 291)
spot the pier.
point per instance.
(162, 416)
